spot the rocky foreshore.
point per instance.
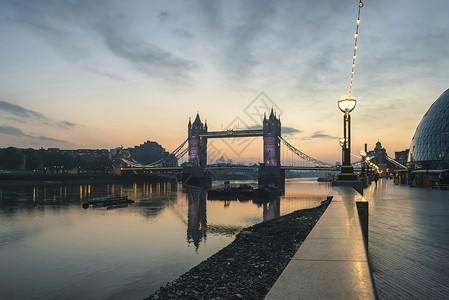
(250, 265)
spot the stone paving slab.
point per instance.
(321, 279)
(316, 249)
(332, 262)
(336, 232)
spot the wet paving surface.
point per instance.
(408, 241)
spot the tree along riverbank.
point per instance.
(250, 265)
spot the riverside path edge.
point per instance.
(332, 263)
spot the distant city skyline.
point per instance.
(100, 74)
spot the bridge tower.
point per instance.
(197, 144)
(270, 172)
(271, 143)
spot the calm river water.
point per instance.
(52, 248)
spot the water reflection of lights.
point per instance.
(191, 206)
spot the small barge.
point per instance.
(229, 192)
(329, 178)
(267, 191)
(244, 192)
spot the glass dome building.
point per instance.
(430, 144)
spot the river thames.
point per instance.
(52, 248)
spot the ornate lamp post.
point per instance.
(347, 104)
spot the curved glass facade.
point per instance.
(430, 144)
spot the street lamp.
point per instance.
(347, 104)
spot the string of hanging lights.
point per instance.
(356, 35)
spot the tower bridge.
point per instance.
(198, 135)
(270, 171)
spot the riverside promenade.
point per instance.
(332, 263)
(408, 241)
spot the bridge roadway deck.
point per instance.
(232, 133)
(408, 241)
(332, 262)
(298, 168)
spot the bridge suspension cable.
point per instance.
(179, 147)
(392, 160)
(303, 155)
(395, 162)
(182, 153)
(178, 153)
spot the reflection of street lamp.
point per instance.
(347, 104)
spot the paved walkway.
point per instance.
(332, 262)
(408, 241)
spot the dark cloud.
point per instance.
(14, 131)
(236, 35)
(22, 114)
(60, 26)
(58, 34)
(68, 124)
(9, 130)
(303, 41)
(49, 139)
(240, 57)
(163, 15)
(321, 135)
(148, 58)
(255, 127)
(211, 13)
(182, 33)
(285, 129)
(289, 130)
(72, 27)
(20, 111)
(241, 41)
(103, 73)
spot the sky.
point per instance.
(105, 73)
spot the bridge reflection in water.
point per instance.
(228, 217)
(188, 205)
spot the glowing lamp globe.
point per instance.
(346, 103)
(342, 141)
(362, 153)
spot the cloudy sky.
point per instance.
(105, 73)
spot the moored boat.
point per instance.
(267, 191)
(229, 192)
